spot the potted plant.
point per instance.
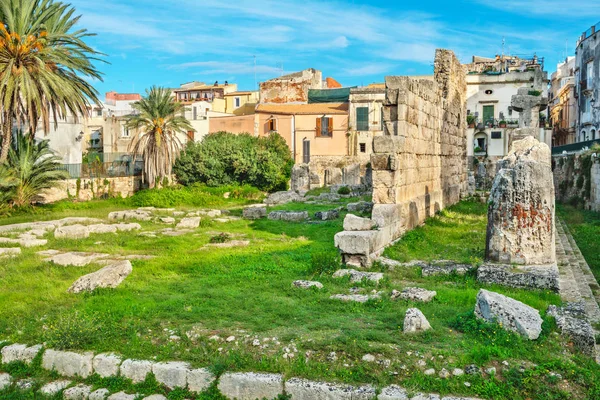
(478, 150)
(503, 124)
(471, 119)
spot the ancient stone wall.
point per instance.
(88, 189)
(574, 177)
(420, 163)
(330, 171)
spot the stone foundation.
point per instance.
(325, 171)
(420, 164)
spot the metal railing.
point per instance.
(125, 165)
(574, 147)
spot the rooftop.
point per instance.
(241, 92)
(303, 109)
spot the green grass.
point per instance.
(585, 228)
(246, 292)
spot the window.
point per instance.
(362, 118)
(195, 113)
(272, 125)
(324, 127)
(590, 74)
(237, 102)
(496, 134)
(593, 134)
(363, 147)
(190, 136)
(582, 139)
(124, 131)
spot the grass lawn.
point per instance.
(585, 228)
(171, 306)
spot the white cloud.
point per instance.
(368, 70)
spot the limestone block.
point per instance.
(171, 374)
(52, 388)
(512, 314)
(136, 370)
(199, 380)
(20, 352)
(155, 397)
(133, 226)
(106, 364)
(102, 228)
(122, 396)
(307, 284)
(68, 363)
(75, 259)
(250, 385)
(189, 223)
(414, 294)
(358, 242)
(100, 394)
(354, 223)
(327, 215)
(72, 232)
(526, 277)
(255, 212)
(415, 321)
(393, 392)
(290, 216)
(110, 276)
(357, 298)
(5, 380)
(140, 215)
(302, 389)
(358, 276)
(79, 392)
(10, 252)
(283, 198)
(573, 322)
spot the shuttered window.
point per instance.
(362, 118)
(324, 127)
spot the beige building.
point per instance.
(241, 102)
(365, 119)
(563, 104)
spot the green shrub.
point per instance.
(220, 238)
(197, 195)
(74, 331)
(344, 190)
(226, 159)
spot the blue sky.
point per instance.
(170, 42)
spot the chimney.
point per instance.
(216, 83)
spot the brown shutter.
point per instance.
(318, 129)
(330, 126)
(274, 125)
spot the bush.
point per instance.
(220, 238)
(344, 190)
(225, 159)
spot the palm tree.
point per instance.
(31, 168)
(44, 63)
(158, 123)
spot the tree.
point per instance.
(31, 168)
(158, 124)
(44, 63)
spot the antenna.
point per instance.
(255, 83)
(503, 43)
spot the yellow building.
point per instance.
(241, 103)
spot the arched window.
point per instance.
(582, 136)
(480, 143)
(593, 135)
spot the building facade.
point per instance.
(365, 119)
(492, 116)
(563, 104)
(587, 77)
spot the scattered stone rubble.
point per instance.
(415, 321)
(573, 322)
(358, 276)
(414, 294)
(510, 313)
(327, 215)
(307, 284)
(278, 198)
(255, 212)
(139, 215)
(289, 216)
(110, 276)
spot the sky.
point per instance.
(170, 42)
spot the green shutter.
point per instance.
(488, 114)
(362, 118)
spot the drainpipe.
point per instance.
(293, 122)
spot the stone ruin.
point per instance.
(521, 231)
(529, 103)
(419, 164)
(316, 175)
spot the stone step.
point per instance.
(582, 273)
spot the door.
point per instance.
(488, 114)
(306, 151)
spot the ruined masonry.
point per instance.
(521, 220)
(419, 164)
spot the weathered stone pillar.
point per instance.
(520, 227)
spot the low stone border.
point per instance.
(175, 374)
